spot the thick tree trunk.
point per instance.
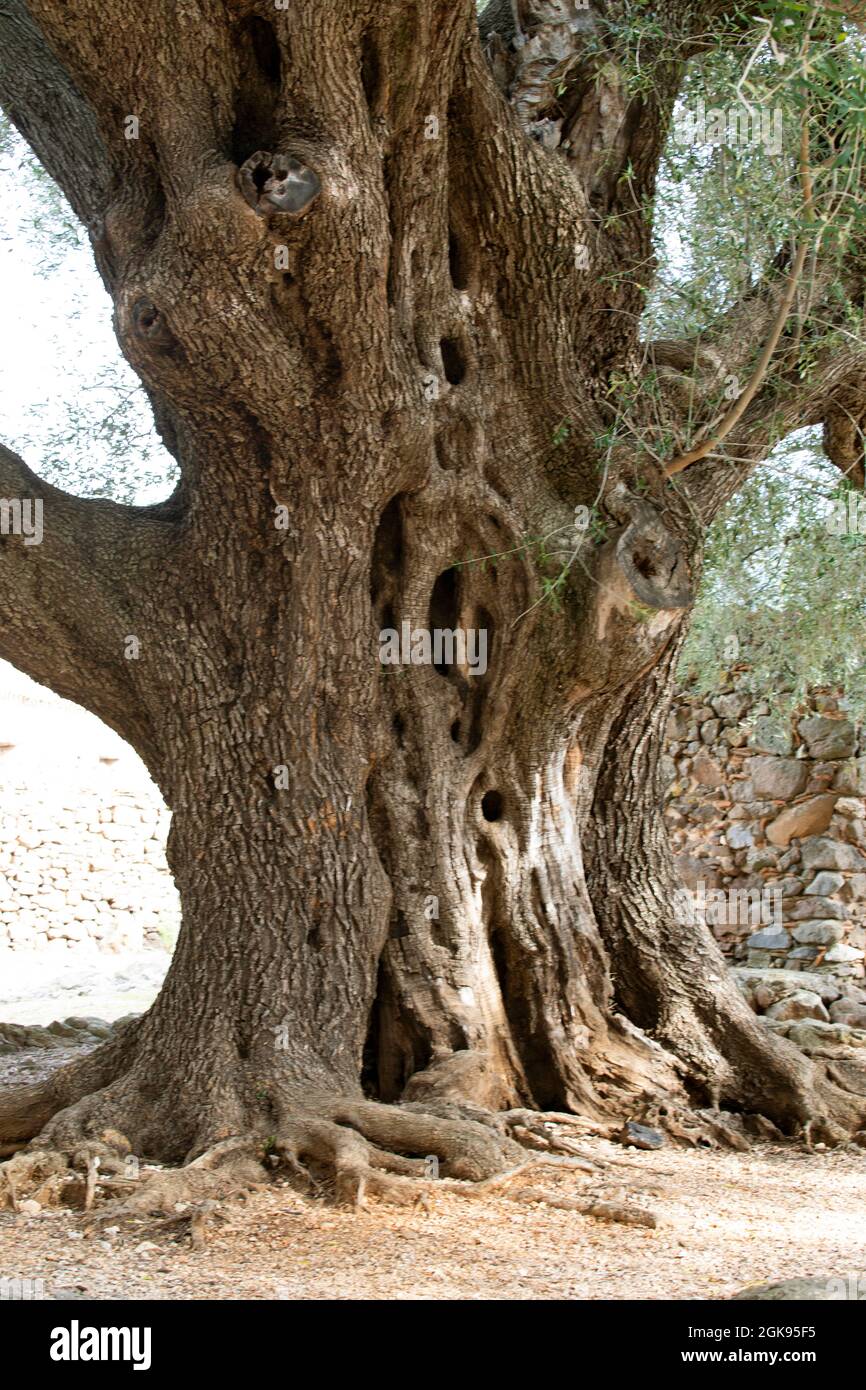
(380, 327)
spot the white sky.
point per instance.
(57, 344)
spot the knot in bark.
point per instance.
(278, 183)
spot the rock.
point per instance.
(840, 952)
(739, 837)
(813, 1035)
(802, 1004)
(850, 777)
(732, 706)
(851, 807)
(640, 1136)
(844, 1011)
(855, 887)
(761, 857)
(810, 817)
(769, 985)
(828, 738)
(778, 779)
(770, 939)
(806, 1290)
(706, 770)
(824, 853)
(29, 1207)
(677, 726)
(771, 736)
(818, 933)
(825, 883)
(817, 907)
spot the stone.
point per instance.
(840, 952)
(735, 738)
(825, 883)
(826, 737)
(851, 807)
(818, 933)
(710, 730)
(771, 736)
(766, 986)
(640, 1136)
(739, 837)
(850, 777)
(706, 770)
(824, 853)
(761, 857)
(769, 939)
(732, 706)
(806, 907)
(802, 1004)
(778, 779)
(844, 1011)
(810, 817)
(677, 726)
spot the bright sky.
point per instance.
(57, 348)
(60, 366)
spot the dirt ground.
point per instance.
(726, 1220)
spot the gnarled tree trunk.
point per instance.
(378, 325)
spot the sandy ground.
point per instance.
(725, 1221)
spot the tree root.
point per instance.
(351, 1150)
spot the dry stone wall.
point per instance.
(77, 867)
(82, 831)
(767, 818)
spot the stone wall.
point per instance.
(82, 831)
(82, 867)
(768, 821)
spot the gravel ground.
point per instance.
(727, 1220)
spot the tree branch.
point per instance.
(73, 589)
(44, 104)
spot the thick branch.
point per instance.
(73, 591)
(44, 104)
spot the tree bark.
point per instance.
(360, 300)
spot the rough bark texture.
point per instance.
(364, 302)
